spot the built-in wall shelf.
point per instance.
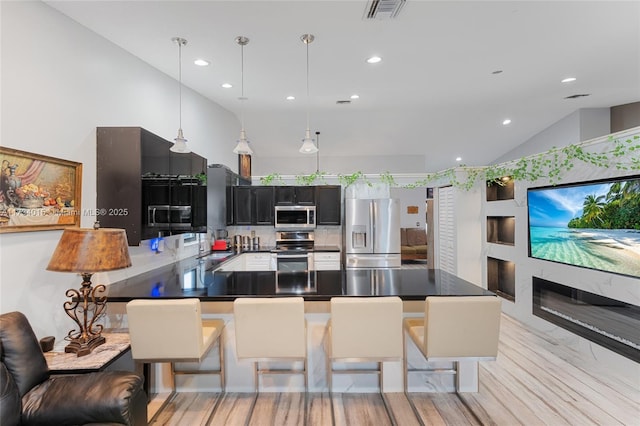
(501, 278)
(501, 230)
(500, 189)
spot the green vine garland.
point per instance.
(552, 164)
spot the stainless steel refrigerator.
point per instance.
(372, 233)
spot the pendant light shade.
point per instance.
(242, 146)
(308, 144)
(180, 144)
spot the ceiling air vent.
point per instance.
(343, 102)
(580, 95)
(383, 9)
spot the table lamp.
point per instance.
(87, 251)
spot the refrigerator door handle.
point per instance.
(372, 222)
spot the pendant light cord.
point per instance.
(307, 43)
(242, 86)
(180, 81)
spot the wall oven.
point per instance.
(295, 217)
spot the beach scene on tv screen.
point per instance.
(594, 225)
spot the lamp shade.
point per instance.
(180, 144)
(308, 145)
(243, 145)
(91, 250)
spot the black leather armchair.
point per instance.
(30, 396)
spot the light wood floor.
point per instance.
(534, 381)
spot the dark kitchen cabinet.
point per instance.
(263, 205)
(328, 204)
(127, 154)
(242, 205)
(292, 195)
(253, 205)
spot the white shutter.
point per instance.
(446, 230)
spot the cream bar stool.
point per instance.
(455, 328)
(364, 329)
(172, 330)
(271, 329)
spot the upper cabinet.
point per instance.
(328, 204)
(172, 199)
(253, 205)
(295, 195)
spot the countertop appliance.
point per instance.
(295, 217)
(372, 233)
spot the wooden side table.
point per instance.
(115, 347)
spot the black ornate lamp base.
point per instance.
(83, 347)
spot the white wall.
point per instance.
(610, 285)
(411, 197)
(307, 164)
(581, 125)
(59, 82)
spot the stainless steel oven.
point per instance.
(293, 252)
(292, 261)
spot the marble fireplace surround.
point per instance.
(610, 323)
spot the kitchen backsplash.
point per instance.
(324, 235)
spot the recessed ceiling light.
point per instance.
(291, 98)
(374, 59)
(355, 97)
(506, 121)
(568, 80)
(458, 159)
(201, 62)
(227, 85)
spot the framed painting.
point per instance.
(37, 192)
(244, 165)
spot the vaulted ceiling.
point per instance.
(451, 71)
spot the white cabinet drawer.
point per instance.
(257, 261)
(324, 256)
(326, 261)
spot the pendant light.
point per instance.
(242, 146)
(308, 145)
(180, 144)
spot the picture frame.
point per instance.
(38, 192)
(244, 165)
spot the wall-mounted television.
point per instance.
(592, 224)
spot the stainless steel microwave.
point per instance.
(295, 217)
(165, 217)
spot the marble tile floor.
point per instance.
(534, 381)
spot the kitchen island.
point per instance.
(195, 277)
(205, 278)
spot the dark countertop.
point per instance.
(318, 248)
(189, 278)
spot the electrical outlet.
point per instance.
(417, 223)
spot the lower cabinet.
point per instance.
(326, 261)
(235, 264)
(257, 261)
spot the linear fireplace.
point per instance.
(607, 322)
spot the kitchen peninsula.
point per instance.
(196, 277)
(206, 278)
